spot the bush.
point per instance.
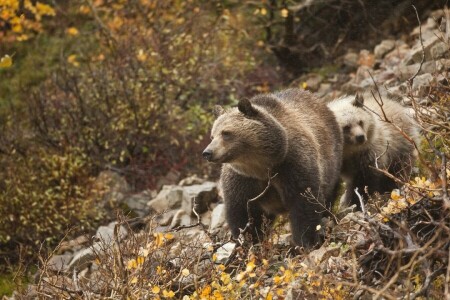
(44, 195)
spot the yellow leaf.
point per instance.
(185, 272)
(263, 11)
(269, 296)
(169, 236)
(140, 260)
(134, 280)
(72, 31)
(141, 56)
(156, 289)
(284, 13)
(131, 264)
(72, 59)
(6, 61)
(395, 195)
(250, 266)
(168, 294)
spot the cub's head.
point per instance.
(357, 124)
(243, 135)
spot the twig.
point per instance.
(250, 217)
(361, 201)
(411, 79)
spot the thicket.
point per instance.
(131, 90)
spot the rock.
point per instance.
(73, 245)
(59, 263)
(416, 53)
(317, 257)
(421, 84)
(366, 59)
(395, 56)
(438, 50)
(181, 218)
(165, 218)
(224, 252)
(443, 65)
(105, 234)
(351, 60)
(203, 194)
(404, 72)
(313, 82)
(170, 178)
(324, 89)
(83, 258)
(217, 218)
(194, 179)
(383, 48)
(168, 198)
(138, 203)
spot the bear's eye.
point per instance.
(346, 128)
(226, 135)
(361, 123)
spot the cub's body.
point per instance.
(291, 134)
(371, 142)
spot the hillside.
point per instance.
(106, 106)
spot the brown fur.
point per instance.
(290, 133)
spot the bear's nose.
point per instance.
(207, 154)
(360, 139)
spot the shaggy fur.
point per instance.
(290, 133)
(370, 141)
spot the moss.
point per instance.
(7, 285)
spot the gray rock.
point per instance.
(404, 72)
(194, 179)
(138, 203)
(317, 257)
(106, 233)
(113, 186)
(423, 80)
(416, 53)
(83, 258)
(438, 50)
(168, 198)
(443, 65)
(383, 48)
(181, 218)
(59, 262)
(224, 252)
(217, 217)
(351, 60)
(203, 194)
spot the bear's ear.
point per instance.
(218, 110)
(359, 101)
(246, 108)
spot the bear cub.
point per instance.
(292, 134)
(371, 142)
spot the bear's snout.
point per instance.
(207, 154)
(360, 138)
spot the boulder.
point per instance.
(203, 194)
(169, 197)
(217, 218)
(383, 48)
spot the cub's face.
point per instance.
(357, 123)
(354, 131)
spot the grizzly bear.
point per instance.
(292, 134)
(371, 142)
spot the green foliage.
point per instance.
(128, 85)
(44, 194)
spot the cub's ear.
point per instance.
(246, 108)
(218, 110)
(359, 101)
